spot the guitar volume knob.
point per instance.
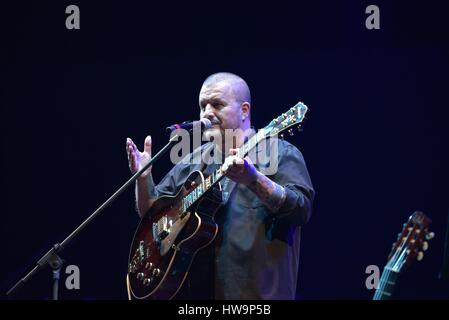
(156, 272)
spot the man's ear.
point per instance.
(246, 108)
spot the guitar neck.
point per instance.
(218, 174)
(386, 284)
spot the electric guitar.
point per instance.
(176, 227)
(411, 243)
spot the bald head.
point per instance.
(239, 88)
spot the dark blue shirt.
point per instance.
(256, 252)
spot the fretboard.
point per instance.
(218, 174)
(386, 285)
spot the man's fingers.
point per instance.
(147, 145)
(233, 164)
(131, 156)
(233, 152)
(134, 147)
(128, 145)
(132, 163)
(129, 153)
(132, 152)
(227, 164)
(129, 148)
(130, 142)
(225, 167)
(236, 161)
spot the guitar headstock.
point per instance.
(411, 242)
(286, 121)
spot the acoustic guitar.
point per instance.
(411, 243)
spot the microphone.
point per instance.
(204, 124)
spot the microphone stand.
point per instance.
(52, 258)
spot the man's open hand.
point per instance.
(137, 159)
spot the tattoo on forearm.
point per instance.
(269, 192)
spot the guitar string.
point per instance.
(390, 270)
(251, 143)
(401, 259)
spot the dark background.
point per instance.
(375, 141)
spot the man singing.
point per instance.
(256, 252)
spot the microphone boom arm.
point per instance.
(51, 256)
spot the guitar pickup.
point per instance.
(161, 229)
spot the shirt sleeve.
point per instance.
(173, 180)
(177, 176)
(292, 174)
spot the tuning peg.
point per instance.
(425, 245)
(420, 256)
(299, 128)
(290, 132)
(430, 236)
(282, 136)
